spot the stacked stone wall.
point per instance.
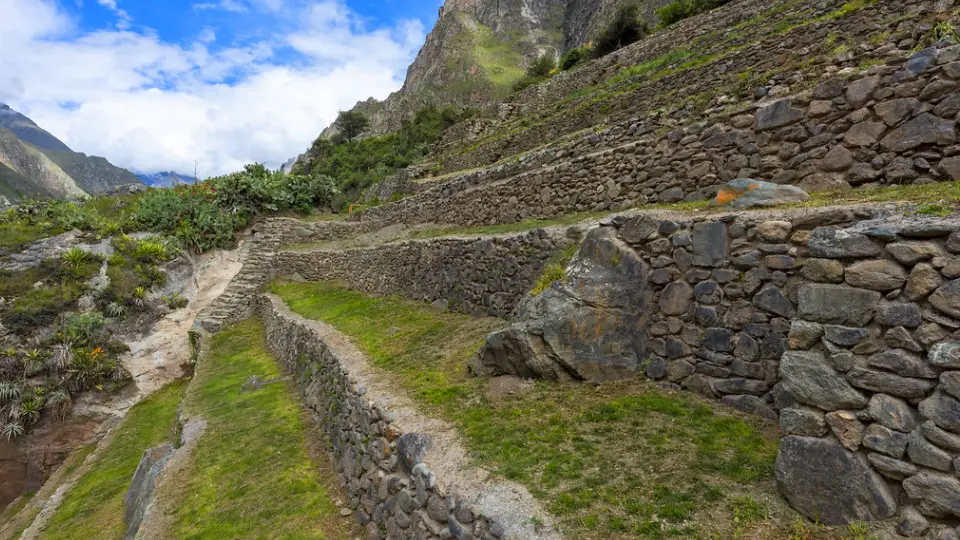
(480, 276)
(258, 254)
(795, 59)
(842, 324)
(894, 124)
(844, 328)
(386, 470)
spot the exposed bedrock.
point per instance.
(583, 327)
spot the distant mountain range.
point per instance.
(35, 163)
(165, 179)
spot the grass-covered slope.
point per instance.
(623, 460)
(251, 475)
(254, 473)
(94, 507)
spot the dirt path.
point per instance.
(156, 360)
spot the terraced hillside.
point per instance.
(549, 332)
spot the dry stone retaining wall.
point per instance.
(480, 276)
(760, 56)
(396, 490)
(258, 253)
(845, 328)
(893, 124)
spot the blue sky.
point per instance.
(159, 84)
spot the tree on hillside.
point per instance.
(625, 28)
(351, 124)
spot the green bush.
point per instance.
(356, 164)
(625, 28)
(574, 57)
(541, 69)
(208, 214)
(681, 9)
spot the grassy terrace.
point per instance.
(94, 507)
(705, 49)
(621, 460)
(254, 474)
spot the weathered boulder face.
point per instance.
(141, 488)
(587, 326)
(746, 193)
(827, 483)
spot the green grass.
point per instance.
(623, 460)
(251, 475)
(94, 507)
(554, 270)
(500, 60)
(17, 235)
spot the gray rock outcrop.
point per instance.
(584, 327)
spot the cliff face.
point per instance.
(479, 48)
(88, 174)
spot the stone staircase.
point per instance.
(237, 301)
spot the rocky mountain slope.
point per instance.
(479, 48)
(62, 172)
(27, 171)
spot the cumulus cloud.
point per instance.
(151, 105)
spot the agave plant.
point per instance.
(61, 355)
(116, 310)
(148, 251)
(11, 431)
(30, 410)
(32, 362)
(139, 296)
(75, 257)
(10, 391)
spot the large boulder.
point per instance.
(748, 193)
(583, 327)
(830, 484)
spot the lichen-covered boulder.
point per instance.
(748, 193)
(825, 482)
(583, 327)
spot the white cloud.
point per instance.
(150, 105)
(225, 5)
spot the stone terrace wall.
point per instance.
(795, 59)
(480, 276)
(393, 491)
(893, 124)
(236, 302)
(293, 231)
(848, 330)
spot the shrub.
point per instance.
(681, 9)
(207, 215)
(625, 28)
(574, 57)
(354, 165)
(540, 70)
(175, 301)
